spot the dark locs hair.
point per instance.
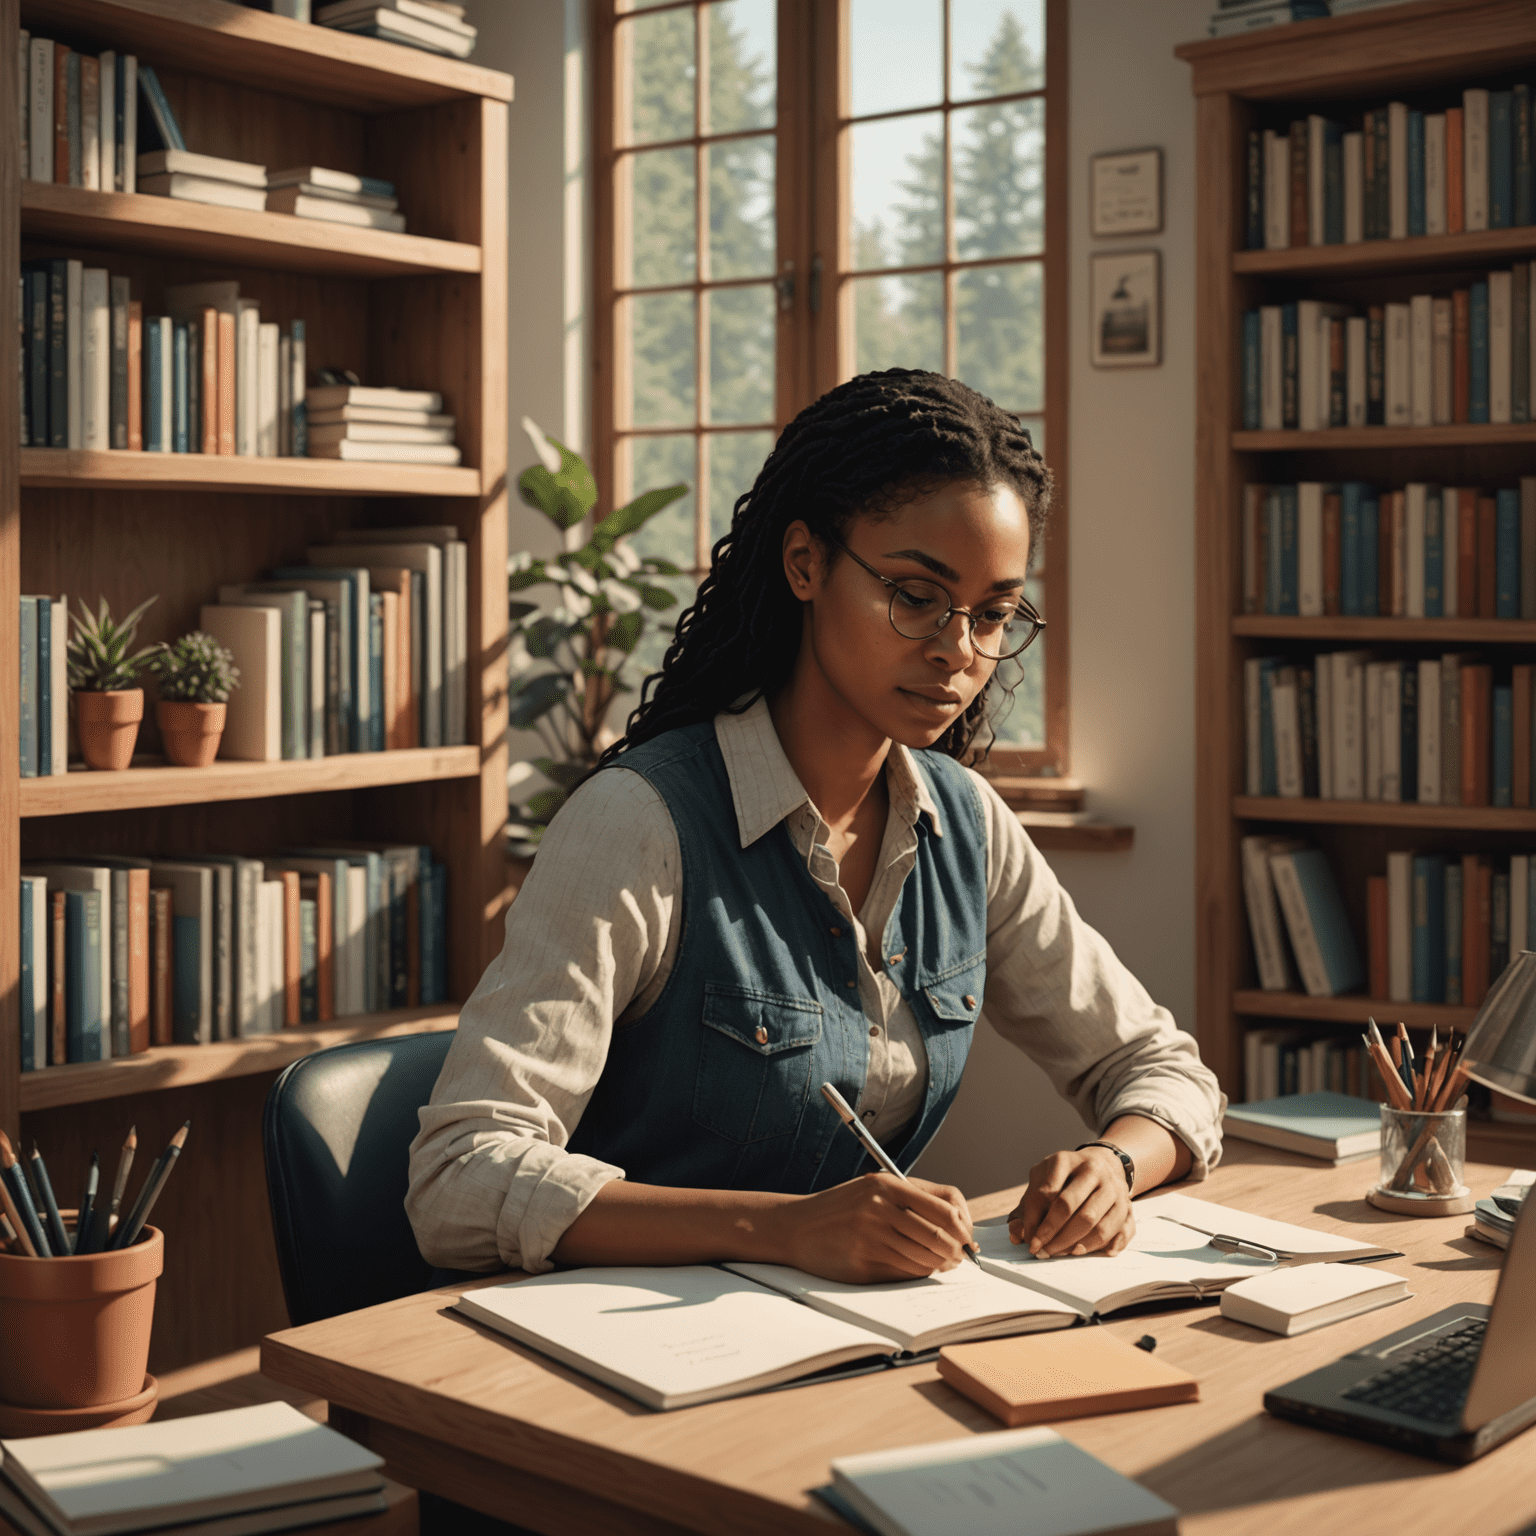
(865, 448)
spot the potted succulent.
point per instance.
(196, 675)
(108, 704)
(576, 649)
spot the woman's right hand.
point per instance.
(876, 1227)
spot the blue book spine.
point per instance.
(1501, 160)
(82, 975)
(1349, 548)
(28, 712)
(1428, 955)
(1507, 558)
(1408, 739)
(1333, 184)
(427, 916)
(154, 363)
(1341, 956)
(1255, 206)
(160, 113)
(44, 687)
(1415, 173)
(376, 671)
(1370, 565)
(346, 635)
(1503, 764)
(1477, 350)
(399, 910)
(1269, 773)
(1434, 556)
(1290, 577)
(179, 389)
(186, 979)
(1252, 365)
(29, 981)
(1524, 166)
(1453, 919)
(1290, 364)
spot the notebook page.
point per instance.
(1283, 1237)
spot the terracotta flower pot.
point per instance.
(191, 732)
(109, 726)
(76, 1330)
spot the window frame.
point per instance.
(814, 344)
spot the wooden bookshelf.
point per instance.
(423, 309)
(1418, 51)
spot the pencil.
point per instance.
(128, 1231)
(58, 1238)
(21, 1198)
(12, 1218)
(87, 1220)
(124, 1163)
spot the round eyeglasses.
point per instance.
(920, 610)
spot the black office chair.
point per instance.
(335, 1136)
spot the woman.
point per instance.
(782, 875)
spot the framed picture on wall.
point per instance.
(1125, 193)
(1126, 322)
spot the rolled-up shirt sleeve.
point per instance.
(491, 1182)
(1056, 990)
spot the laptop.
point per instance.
(1453, 1385)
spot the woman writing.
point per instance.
(783, 876)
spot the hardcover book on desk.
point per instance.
(1332, 1126)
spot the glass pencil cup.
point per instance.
(1423, 1162)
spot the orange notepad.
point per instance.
(1040, 1378)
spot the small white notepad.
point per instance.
(1291, 1301)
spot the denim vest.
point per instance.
(718, 1084)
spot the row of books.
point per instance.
(1436, 360)
(1284, 1061)
(208, 376)
(1402, 172)
(1424, 551)
(1442, 730)
(121, 954)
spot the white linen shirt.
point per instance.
(592, 938)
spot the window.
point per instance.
(794, 191)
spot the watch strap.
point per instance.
(1126, 1160)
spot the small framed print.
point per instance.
(1125, 193)
(1126, 288)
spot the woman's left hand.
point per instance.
(1076, 1203)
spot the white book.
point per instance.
(40, 109)
(1287, 731)
(1271, 368)
(327, 396)
(165, 336)
(1474, 138)
(128, 150)
(1309, 549)
(292, 200)
(1528, 547)
(90, 125)
(297, 358)
(1400, 927)
(203, 189)
(1323, 683)
(1354, 187)
(1434, 173)
(1354, 369)
(1415, 495)
(974, 1487)
(387, 453)
(96, 360)
(1375, 672)
(1296, 1301)
(266, 389)
(253, 720)
(240, 173)
(34, 894)
(316, 698)
(247, 376)
(376, 432)
(1519, 902)
(1316, 178)
(284, 397)
(1397, 169)
(1312, 361)
(74, 351)
(1253, 720)
(1441, 362)
(321, 176)
(1348, 725)
(394, 27)
(1269, 944)
(1277, 190)
(1392, 733)
(332, 194)
(1421, 376)
(107, 110)
(1500, 346)
(24, 108)
(1399, 352)
(1429, 731)
(440, 18)
(357, 938)
(379, 416)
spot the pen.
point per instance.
(58, 1238)
(873, 1147)
(128, 1231)
(124, 1163)
(1241, 1245)
(31, 1228)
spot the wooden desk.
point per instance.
(466, 1413)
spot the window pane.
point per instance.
(661, 76)
(1021, 721)
(899, 322)
(996, 46)
(999, 334)
(661, 217)
(741, 333)
(898, 192)
(897, 54)
(999, 170)
(741, 208)
(660, 328)
(743, 64)
(734, 460)
(654, 462)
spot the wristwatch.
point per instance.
(1126, 1160)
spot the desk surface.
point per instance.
(454, 1407)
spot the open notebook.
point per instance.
(672, 1337)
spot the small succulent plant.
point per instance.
(97, 656)
(195, 669)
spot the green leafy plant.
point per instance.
(97, 656)
(578, 646)
(195, 669)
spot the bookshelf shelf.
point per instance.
(132, 221)
(1420, 253)
(181, 1066)
(81, 792)
(1350, 1010)
(69, 468)
(1376, 631)
(1459, 435)
(1376, 813)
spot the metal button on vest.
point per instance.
(762, 1035)
(835, 931)
(874, 1030)
(968, 1000)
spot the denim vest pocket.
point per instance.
(955, 994)
(755, 1052)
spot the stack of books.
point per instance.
(121, 954)
(203, 179)
(1233, 18)
(1279, 1064)
(436, 26)
(1493, 1219)
(1337, 1127)
(337, 197)
(395, 426)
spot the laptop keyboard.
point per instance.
(1432, 1382)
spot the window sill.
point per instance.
(1075, 832)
